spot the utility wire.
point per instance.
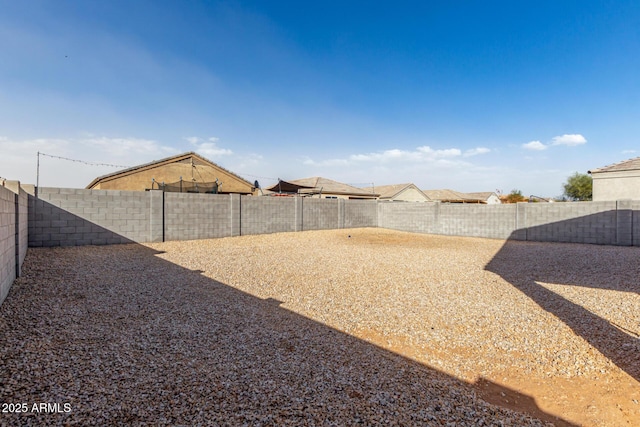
(82, 161)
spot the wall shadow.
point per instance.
(505, 397)
(127, 338)
(527, 264)
(599, 228)
(50, 225)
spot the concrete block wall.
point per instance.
(22, 220)
(23, 227)
(578, 222)
(13, 234)
(197, 216)
(262, 215)
(359, 213)
(635, 223)
(493, 221)
(624, 223)
(70, 217)
(321, 214)
(7, 241)
(611, 223)
(156, 216)
(411, 217)
(62, 217)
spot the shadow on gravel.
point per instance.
(524, 265)
(127, 338)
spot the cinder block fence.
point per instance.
(606, 223)
(13, 234)
(72, 217)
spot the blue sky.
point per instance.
(467, 95)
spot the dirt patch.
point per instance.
(605, 402)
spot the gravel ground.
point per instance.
(340, 327)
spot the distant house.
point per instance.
(618, 181)
(187, 173)
(451, 196)
(486, 197)
(399, 193)
(319, 187)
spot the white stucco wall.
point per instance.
(493, 200)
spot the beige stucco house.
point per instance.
(486, 197)
(187, 172)
(618, 181)
(399, 193)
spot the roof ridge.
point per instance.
(612, 165)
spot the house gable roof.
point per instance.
(161, 162)
(393, 190)
(625, 165)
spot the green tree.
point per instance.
(579, 186)
(515, 196)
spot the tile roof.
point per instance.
(444, 194)
(625, 165)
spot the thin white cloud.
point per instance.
(194, 140)
(429, 153)
(420, 155)
(476, 151)
(329, 162)
(248, 162)
(209, 148)
(127, 147)
(19, 160)
(534, 145)
(570, 140)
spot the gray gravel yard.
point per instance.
(338, 327)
